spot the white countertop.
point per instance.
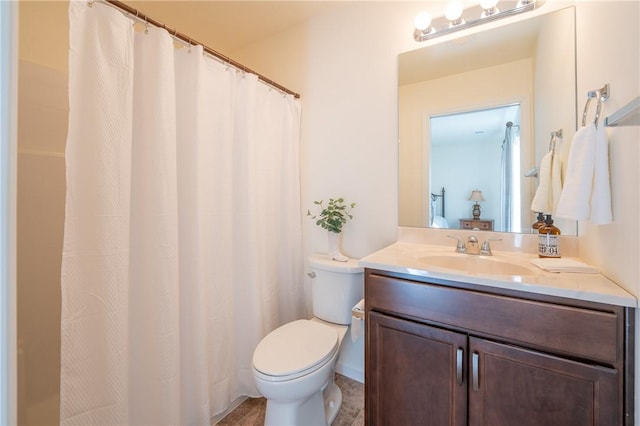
(404, 257)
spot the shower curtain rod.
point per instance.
(174, 33)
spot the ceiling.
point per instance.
(480, 126)
(226, 26)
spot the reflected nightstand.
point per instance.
(481, 224)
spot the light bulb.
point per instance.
(488, 4)
(422, 21)
(488, 7)
(453, 12)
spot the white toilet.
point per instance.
(293, 366)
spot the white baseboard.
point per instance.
(356, 374)
(215, 419)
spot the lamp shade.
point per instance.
(476, 195)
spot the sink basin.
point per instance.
(471, 264)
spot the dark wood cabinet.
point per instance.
(416, 374)
(510, 385)
(447, 353)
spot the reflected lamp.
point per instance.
(476, 196)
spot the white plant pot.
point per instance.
(334, 247)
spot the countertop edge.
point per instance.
(611, 292)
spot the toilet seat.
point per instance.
(294, 350)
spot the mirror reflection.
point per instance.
(462, 142)
(456, 100)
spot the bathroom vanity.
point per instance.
(447, 347)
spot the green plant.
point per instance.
(334, 215)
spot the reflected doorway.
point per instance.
(476, 150)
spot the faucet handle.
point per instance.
(460, 247)
(485, 250)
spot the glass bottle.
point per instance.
(535, 228)
(549, 239)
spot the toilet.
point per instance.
(293, 366)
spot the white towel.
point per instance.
(540, 201)
(557, 164)
(550, 182)
(578, 184)
(564, 265)
(601, 195)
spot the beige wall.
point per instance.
(344, 66)
(555, 92)
(42, 104)
(42, 129)
(44, 33)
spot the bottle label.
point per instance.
(549, 245)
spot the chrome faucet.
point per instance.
(460, 247)
(472, 246)
(485, 250)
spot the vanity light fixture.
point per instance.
(454, 17)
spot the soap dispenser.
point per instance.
(549, 239)
(535, 228)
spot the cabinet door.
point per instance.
(509, 385)
(415, 374)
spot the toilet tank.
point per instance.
(335, 288)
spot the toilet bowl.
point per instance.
(293, 369)
(293, 366)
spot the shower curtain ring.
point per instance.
(146, 26)
(189, 45)
(90, 3)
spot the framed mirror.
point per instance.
(456, 100)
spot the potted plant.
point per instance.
(332, 217)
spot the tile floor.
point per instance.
(251, 412)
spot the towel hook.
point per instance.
(601, 95)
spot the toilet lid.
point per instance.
(294, 347)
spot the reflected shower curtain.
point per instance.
(510, 176)
(182, 244)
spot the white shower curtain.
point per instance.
(182, 244)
